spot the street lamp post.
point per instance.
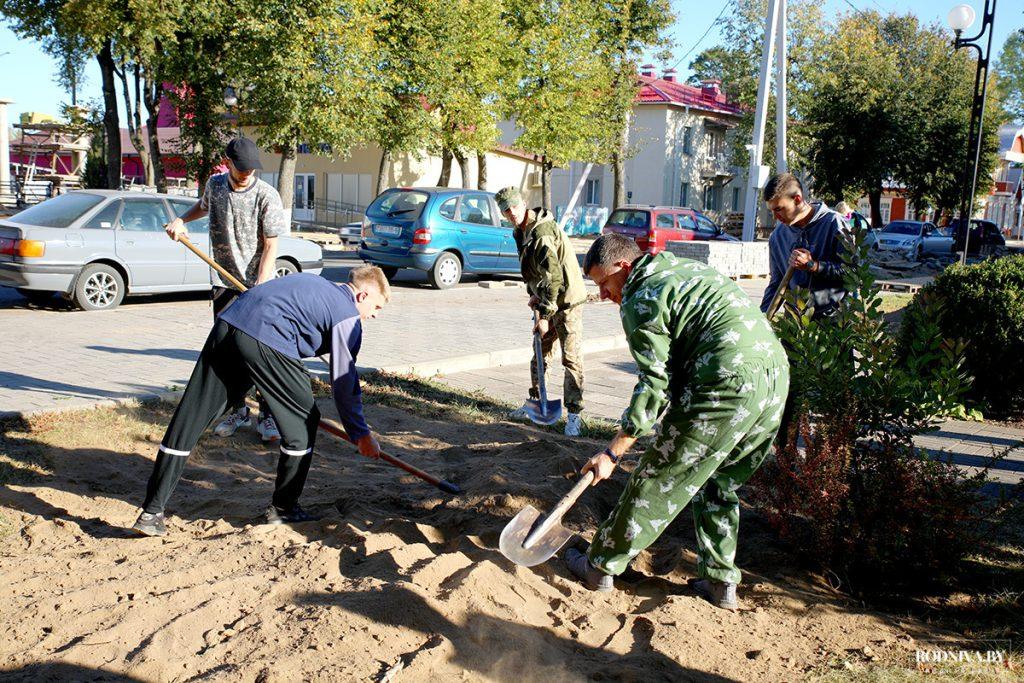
(231, 100)
(960, 19)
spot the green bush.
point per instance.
(847, 485)
(983, 305)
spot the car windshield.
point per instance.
(903, 228)
(629, 218)
(59, 212)
(398, 203)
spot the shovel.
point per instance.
(540, 410)
(529, 539)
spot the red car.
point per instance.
(653, 226)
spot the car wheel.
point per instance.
(283, 266)
(36, 296)
(446, 272)
(99, 288)
(389, 272)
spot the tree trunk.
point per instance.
(446, 167)
(619, 166)
(545, 183)
(152, 94)
(481, 170)
(875, 197)
(133, 109)
(463, 160)
(286, 174)
(384, 170)
(111, 125)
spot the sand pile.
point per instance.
(396, 582)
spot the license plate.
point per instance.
(389, 230)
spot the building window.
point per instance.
(592, 192)
(713, 197)
(684, 194)
(688, 140)
(735, 199)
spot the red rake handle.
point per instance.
(330, 426)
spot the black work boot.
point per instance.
(592, 577)
(718, 593)
(150, 524)
(295, 515)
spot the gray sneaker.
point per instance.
(150, 524)
(521, 413)
(718, 593)
(231, 424)
(592, 577)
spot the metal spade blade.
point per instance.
(530, 539)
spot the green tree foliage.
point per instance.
(891, 101)
(557, 83)
(625, 29)
(1010, 68)
(304, 71)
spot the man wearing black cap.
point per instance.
(246, 218)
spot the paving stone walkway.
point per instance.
(610, 377)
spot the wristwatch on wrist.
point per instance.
(615, 458)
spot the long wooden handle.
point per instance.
(779, 293)
(213, 264)
(330, 426)
(555, 516)
(538, 353)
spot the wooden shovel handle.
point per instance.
(556, 514)
(213, 264)
(779, 293)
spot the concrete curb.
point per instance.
(492, 359)
(160, 396)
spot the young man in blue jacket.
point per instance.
(261, 340)
(808, 237)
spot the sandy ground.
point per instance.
(396, 582)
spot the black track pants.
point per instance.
(230, 364)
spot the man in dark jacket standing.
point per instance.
(261, 340)
(808, 237)
(553, 278)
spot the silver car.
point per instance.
(96, 246)
(914, 239)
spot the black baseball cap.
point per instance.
(243, 154)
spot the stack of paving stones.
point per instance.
(733, 259)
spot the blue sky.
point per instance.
(26, 73)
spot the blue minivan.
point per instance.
(443, 231)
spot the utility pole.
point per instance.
(781, 108)
(757, 174)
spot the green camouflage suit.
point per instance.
(552, 274)
(711, 367)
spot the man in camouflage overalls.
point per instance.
(552, 275)
(711, 368)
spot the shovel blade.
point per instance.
(516, 531)
(543, 412)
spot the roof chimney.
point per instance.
(669, 75)
(711, 88)
(647, 70)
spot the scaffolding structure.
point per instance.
(51, 160)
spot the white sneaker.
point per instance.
(573, 424)
(268, 429)
(230, 424)
(520, 413)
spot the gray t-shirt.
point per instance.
(239, 221)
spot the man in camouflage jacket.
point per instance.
(712, 370)
(552, 275)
